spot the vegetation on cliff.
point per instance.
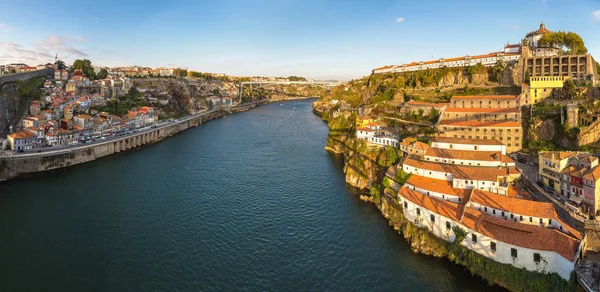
(569, 43)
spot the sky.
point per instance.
(318, 39)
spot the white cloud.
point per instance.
(5, 27)
(43, 51)
(400, 19)
(596, 15)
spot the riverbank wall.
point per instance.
(12, 167)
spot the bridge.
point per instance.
(327, 84)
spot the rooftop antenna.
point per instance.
(56, 58)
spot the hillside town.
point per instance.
(469, 170)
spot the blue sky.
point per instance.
(319, 39)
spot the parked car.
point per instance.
(540, 183)
(521, 160)
(529, 163)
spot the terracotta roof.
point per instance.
(84, 116)
(588, 159)
(513, 205)
(419, 145)
(488, 124)
(484, 97)
(466, 141)
(481, 110)
(22, 135)
(464, 172)
(522, 235)
(593, 174)
(385, 67)
(365, 129)
(373, 125)
(78, 128)
(513, 46)
(447, 209)
(467, 155)
(437, 185)
(422, 103)
(558, 155)
(407, 141)
(574, 171)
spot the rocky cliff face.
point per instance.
(10, 106)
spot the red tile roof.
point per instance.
(437, 185)
(467, 155)
(482, 110)
(522, 235)
(465, 172)
(488, 124)
(484, 97)
(447, 209)
(465, 141)
(22, 135)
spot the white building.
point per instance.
(373, 133)
(534, 248)
(22, 140)
(486, 60)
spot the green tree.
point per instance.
(180, 72)
(387, 157)
(86, 67)
(102, 74)
(296, 78)
(570, 89)
(568, 42)
(60, 65)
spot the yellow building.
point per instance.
(508, 133)
(362, 121)
(71, 87)
(542, 86)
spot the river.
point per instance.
(250, 201)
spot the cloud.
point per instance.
(43, 51)
(5, 27)
(400, 19)
(596, 15)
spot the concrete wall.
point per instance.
(37, 162)
(26, 75)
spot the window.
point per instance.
(418, 211)
(432, 218)
(549, 221)
(405, 205)
(513, 252)
(494, 211)
(485, 208)
(530, 220)
(474, 238)
(493, 246)
(511, 216)
(448, 225)
(521, 218)
(536, 257)
(502, 213)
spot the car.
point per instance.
(529, 163)
(521, 160)
(540, 183)
(103, 138)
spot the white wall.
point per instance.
(464, 161)
(551, 262)
(469, 147)
(428, 173)
(441, 196)
(438, 228)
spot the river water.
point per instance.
(250, 201)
